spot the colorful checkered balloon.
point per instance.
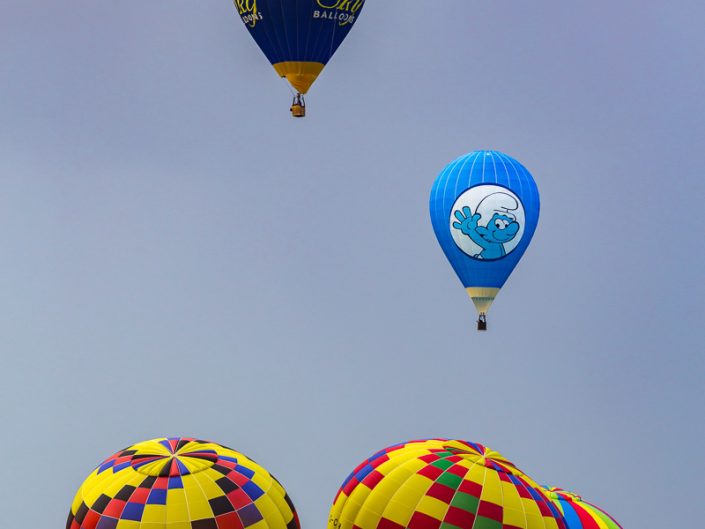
(578, 513)
(180, 483)
(441, 484)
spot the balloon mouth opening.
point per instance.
(300, 74)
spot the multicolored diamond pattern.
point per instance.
(441, 484)
(181, 483)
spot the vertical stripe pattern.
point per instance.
(489, 264)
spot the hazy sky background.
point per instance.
(181, 257)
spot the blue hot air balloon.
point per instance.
(484, 211)
(299, 36)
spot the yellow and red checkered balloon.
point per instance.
(181, 483)
(441, 484)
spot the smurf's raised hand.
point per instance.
(467, 222)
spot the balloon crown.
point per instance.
(167, 457)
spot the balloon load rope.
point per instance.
(286, 82)
(482, 322)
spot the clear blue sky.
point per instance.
(180, 257)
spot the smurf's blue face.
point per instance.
(500, 229)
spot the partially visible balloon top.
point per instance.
(430, 450)
(578, 513)
(181, 483)
(437, 449)
(439, 483)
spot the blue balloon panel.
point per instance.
(484, 210)
(299, 30)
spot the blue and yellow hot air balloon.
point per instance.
(484, 210)
(299, 36)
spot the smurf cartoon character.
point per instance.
(491, 226)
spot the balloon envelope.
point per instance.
(484, 210)
(299, 36)
(181, 483)
(440, 484)
(580, 514)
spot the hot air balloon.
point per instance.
(578, 513)
(299, 37)
(484, 210)
(181, 483)
(441, 484)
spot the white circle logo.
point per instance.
(487, 222)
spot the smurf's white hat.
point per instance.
(498, 202)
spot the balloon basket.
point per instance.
(482, 323)
(298, 106)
